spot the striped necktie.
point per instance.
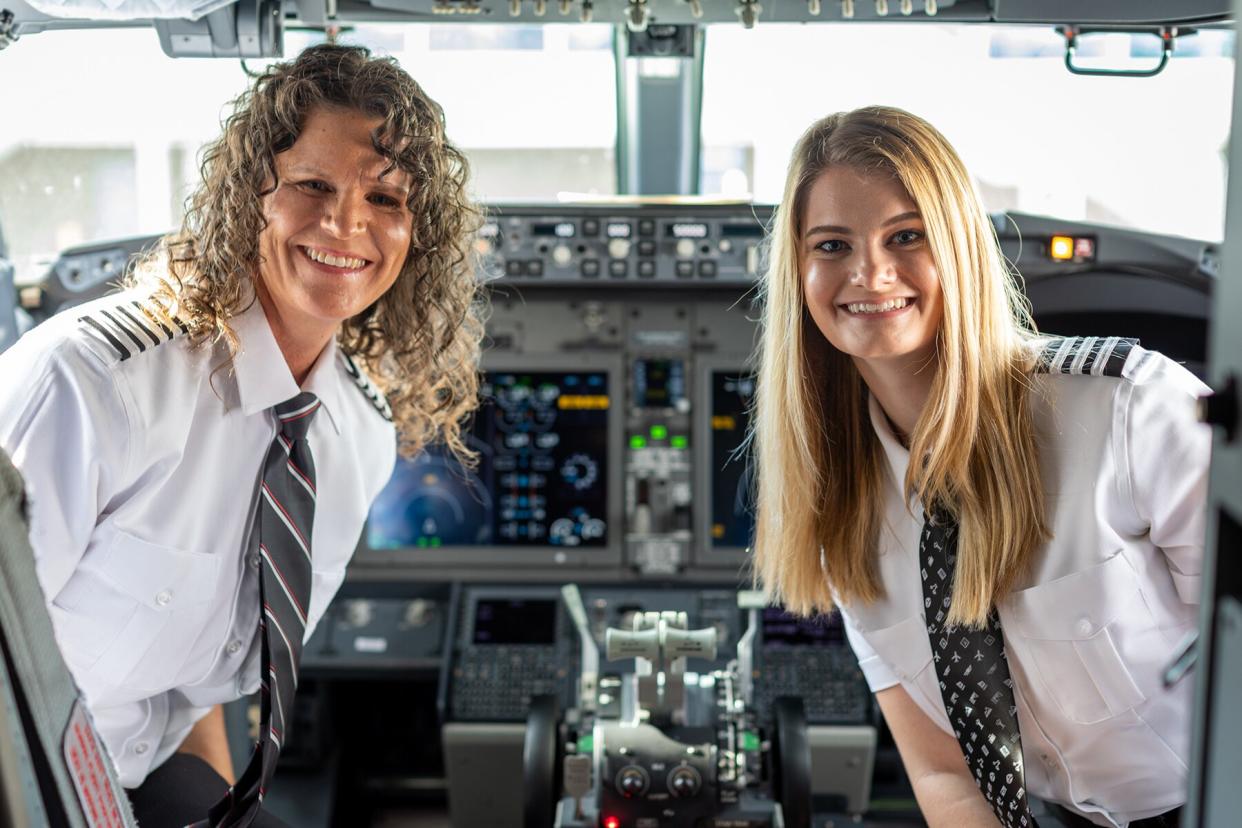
(974, 681)
(286, 515)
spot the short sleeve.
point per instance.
(1168, 451)
(65, 428)
(880, 676)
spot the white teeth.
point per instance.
(336, 261)
(868, 307)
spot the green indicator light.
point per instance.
(422, 543)
(586, 744)
(750, 740)
(679, 441)
(659, 432)
(638, 441)
(435, 543)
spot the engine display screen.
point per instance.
(659, 383)
(780, 629)
(499, 621)
(733, 520)
(541, 478)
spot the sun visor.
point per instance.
(128, 9)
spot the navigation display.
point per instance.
(732, 520)
(780, 629)
(541, 479)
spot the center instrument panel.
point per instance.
(615, 394)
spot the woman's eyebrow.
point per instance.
(837, 228)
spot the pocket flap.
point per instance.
(1073, 607)
(161, 577)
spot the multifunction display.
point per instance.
(733, 522)
(501, 621)
(541, 478)
(780, 629)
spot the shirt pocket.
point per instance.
(132, 610)
(1071, 628)
(905, 647)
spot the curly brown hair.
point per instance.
(420, 341)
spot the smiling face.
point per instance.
(337, 232)
(868, 277)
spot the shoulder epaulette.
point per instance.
(131, 326)
(1099, 356)
(367, 387)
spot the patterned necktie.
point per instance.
(974, 682)
(286, 515)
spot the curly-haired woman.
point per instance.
(1010, 523)
(175, 437)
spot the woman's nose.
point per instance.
(873, 270)
(346, 215)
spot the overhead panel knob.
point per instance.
(619, 248)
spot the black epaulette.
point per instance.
(131, 326)
(367, 387)
(1099, 356)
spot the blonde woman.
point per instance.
(1010, 524)
(201, 450)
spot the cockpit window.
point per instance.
(102, 130)
(1143, 153)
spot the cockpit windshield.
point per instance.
(110, 127)
(1142, 153)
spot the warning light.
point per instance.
(1084, 249)
(638, 441)
(612, 822)
(659, 432)
(1061, 248)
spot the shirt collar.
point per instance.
(898, 456)
(263, 377)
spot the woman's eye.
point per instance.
(384, 200)
(907, 236)
(832, 246)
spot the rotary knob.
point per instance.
(684, 782)
(619, 248)
(632, 781)
(685, 249)
(562, 255)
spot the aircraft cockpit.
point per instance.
(570, 632)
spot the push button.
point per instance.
(647, 270)
(618, 269)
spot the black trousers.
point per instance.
(1172, 819)
(180, 791)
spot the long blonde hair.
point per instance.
(420, 341)
(821, 468)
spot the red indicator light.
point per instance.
(612, 822)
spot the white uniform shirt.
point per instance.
(1089, 630)
(141, 474)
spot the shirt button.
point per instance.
(254, 560)
(234, 647)
(1085, 627)
(141, 748)
(163, 597)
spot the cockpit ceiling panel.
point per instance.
(1119, 13)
